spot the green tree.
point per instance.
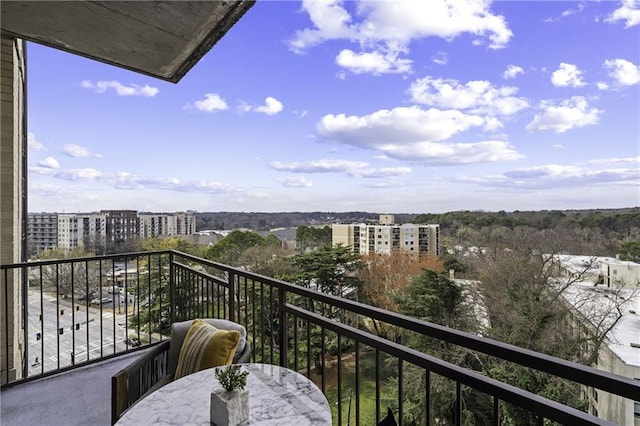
(328, 269)
(630, 250)
(310, 237)
(229, 249)
(270, 260)
(434, 298)
(170, 243)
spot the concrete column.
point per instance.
(12, 203)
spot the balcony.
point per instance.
(352, 351)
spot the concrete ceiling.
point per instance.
(163, 39)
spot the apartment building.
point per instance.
(68, 231)
(386, 236)
(42, 231)
(616, 272)
(122, 225)
(595, 302)
(156, 224)
(73, 230)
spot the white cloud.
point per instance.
(271, 106)
(414, 135)
(319, 166)
(440, 58)
(331, 21)
(350, 168)
(49, 163)
(629, 12)
(567, 75)
(570, 12)
(453, 153)
(566, 13)
(512, 71)
(33, 144)
(478, 96)
(385, 29)
(126, 180)
(295, 182)
(78, 151)
(121, 89)
(625, 73)
(569, 114)
(398, 125)
(382, 172)
(619, 171)
(211, 102)
(601, 85)
(558, 146)
(373, 62)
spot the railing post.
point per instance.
(282, 329)
(25, 320)
(232, 296)
(172, 289)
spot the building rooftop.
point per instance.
(598, 302)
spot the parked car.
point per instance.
(107, 300)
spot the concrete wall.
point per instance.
(12, 199)
(613, 407)
(342, 234)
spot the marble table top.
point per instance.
(277, 396)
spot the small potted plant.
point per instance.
(230, 405)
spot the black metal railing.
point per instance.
(325, 337)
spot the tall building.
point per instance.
(387, 236)
(121, 225)
(72, 230)
(68, 231)
(156, 224)
(42, 231)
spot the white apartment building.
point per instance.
(619, 353)
(387, 236)
(617, 272)
(68, 231)
(179, 223)
(593, 300)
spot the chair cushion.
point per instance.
(204, 347)
(179, 332)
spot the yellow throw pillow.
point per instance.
(204, 347)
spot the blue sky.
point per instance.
(382, 106)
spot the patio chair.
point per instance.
(157, 366)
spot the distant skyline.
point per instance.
(379, 106)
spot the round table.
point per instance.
(277, 396)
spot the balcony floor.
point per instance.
(77, 397)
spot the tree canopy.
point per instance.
(229, 249)
(310, 237)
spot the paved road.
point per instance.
(71, 333)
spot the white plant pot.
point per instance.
(229, 408)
